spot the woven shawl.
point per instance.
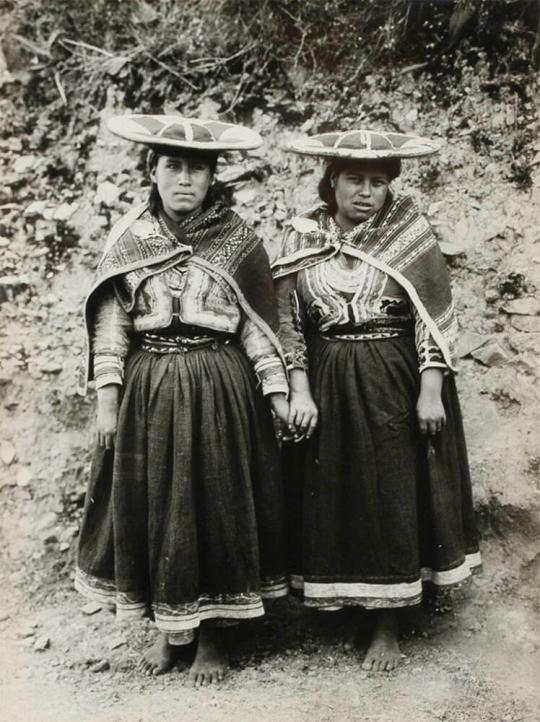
(217, 240)
(397, 240)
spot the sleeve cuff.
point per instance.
(108, 379)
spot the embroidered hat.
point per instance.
(365, 145)
(178, 132)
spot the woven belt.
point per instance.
(155, 343)
(370, 330)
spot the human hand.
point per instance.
(280, 406)
(303, 414)
(107, 415)
(430, 412)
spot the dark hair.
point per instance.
(216, 191)
(391, 166)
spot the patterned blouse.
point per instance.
(347, 292)
(198, 300)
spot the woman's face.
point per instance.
(360, 191)
(182, 182)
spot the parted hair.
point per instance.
(216, 191)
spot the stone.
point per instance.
(25, 163)
(91, 608)
(117, 642)
(245, 195)
(522, 307)
(468, 341)
(44, 230)
(491, 354)
(451, 249)
(106, 193)
(65, 211)
(35, 209)
(4, 242)
(526, 324)
(47, 521)
(24, 476)
(7, 453)
(101, 666)
(11, 286)
(41, 644)
(51, 368)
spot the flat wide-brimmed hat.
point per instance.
(365, 145)
(175, 131)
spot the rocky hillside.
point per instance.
(65, 70)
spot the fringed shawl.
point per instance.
(217, 240)
(399, 241)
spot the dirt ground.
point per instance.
(476, 662)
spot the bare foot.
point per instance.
(159, 658)
(384, 653)
(211, 661)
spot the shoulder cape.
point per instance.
(397, 240)
(217, 240)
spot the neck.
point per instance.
(345, 223)
(177, 217)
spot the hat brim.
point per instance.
(419, 151)
(233, 137)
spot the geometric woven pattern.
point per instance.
(365, 144)
(179, 132)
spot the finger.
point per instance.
(108, 441)
(312, 426)
(303, 422)
(432, 426)
(101, 440)
(423, 427)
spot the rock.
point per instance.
(65, 211)
(469, 341)
(41, 644)
(35, 209)
(69, 532)
(234, 173)
(91, 608)
(24, 476)
(101, 666)
(117, 642)
(11, 286)
(114, 65)
(526, 324)
(25, 163)
(106, 193)
(64, 546)
(47, 521)
(50, 536)
(4, 616)
(522, 307)
(451, 249)
(7, 453)
(244, 196)
(44, 230)
(4, 242)
(491, 354)
(51, 368)
(435, 207)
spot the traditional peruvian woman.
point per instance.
(380, 488)
(183, 516)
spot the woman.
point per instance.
(380, 488)
(183, 517)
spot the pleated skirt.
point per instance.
(374, 508)
(184, 520)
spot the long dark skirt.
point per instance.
(185, 518)
(374, 507)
